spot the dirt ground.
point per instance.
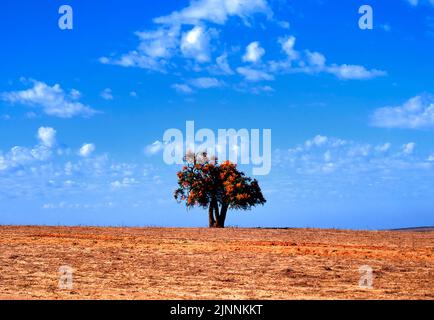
(157, 263)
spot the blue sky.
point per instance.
(351, 111)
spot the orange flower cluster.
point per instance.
(200, 182)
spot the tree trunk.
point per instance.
(211, 219)
(216, 212)
(220, 222)
(216, 217)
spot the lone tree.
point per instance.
(203, 182)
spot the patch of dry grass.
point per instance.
(157, 263)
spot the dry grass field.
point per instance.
(157, 263)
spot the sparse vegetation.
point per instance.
(157, 263)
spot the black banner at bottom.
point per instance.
(216, 309)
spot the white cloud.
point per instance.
(222, 66)
(215, 11)
(160, 43)
(195, 44)
(254, 52)
(284, 24)
(158, 46)
(51, 99)
(69, 168)
(20, 156)
(107, 94)
(316, 59)
(206, 83)
(338, 174)
(384, 147)
(311, 62)
(104, 60)
(201, 83)
(154, 148)
(415, 3)
(38, 172)
(328, 155)
(318, 141)
(386, 27)
(416, 113)
(354, 72)
(187, 33)
(154, 50)
(264, 89)
(288, 44)
(182, 88)
(31, 115)
(256, 89)
(75, 94)
(86, 150)
(408, 148)
(125, 182)
(135, 59)
(3, 163)
(431, 158)
(359, 150)
(47, 136)
(254, 75)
